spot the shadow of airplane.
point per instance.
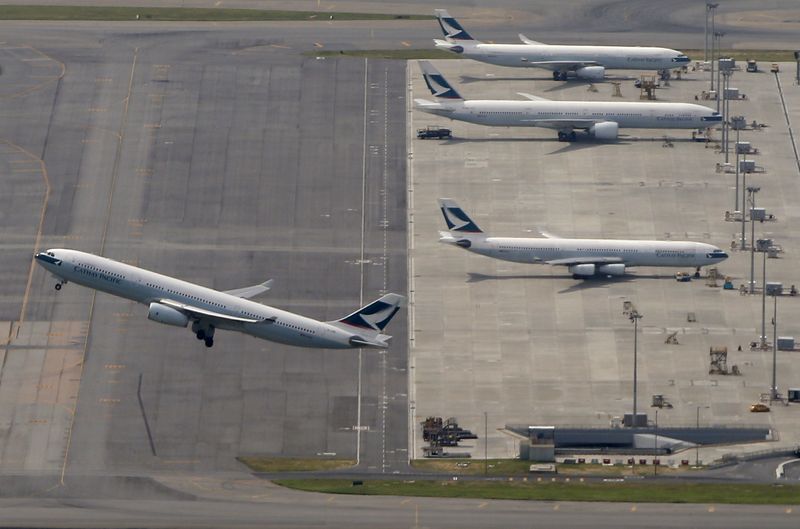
(580, 284)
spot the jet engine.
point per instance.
(582, 270)
(167, 315)
(616, 269)
(591, 73)
(607, 130)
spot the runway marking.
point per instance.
(712, 509)
(406, 44)
(281, 46)
(361, 261)
(556, 507)
(54, 78)
(788, 510)
(482, 505)
(38, 241)
(318, 45)
(633, 509)
(114, 173)
(330, 499)
(405, 501)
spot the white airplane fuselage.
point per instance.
(629, 252)
(528, 55)
(633, 115)
(143, 286)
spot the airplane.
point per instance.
(600, 119)
(582, 62)
(175, 302)
(583, 257)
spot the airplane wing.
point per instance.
(569, 261)
(249, 292)
(197, 312)
(562, 124)
(561, 65)
(532, 97)
(526, 40)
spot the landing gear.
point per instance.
(567, 136)
(60, 284)
(573, 136)
(697, 273)
(204, 332)
(562, 76)
(555, 76)
(562, 136)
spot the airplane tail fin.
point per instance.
(374, 317)
(456, 218)
(436, 82)
(450, 27)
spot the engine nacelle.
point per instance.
(592, 73)
(617, 269)
(582, 270)
(167, 315)
(607, 130)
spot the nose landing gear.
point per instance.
(60, 283)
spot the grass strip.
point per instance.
(643, 492)
(113, 13)
(294, 464)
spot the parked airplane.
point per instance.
(584, 62)
(175, 302)
(601, 119)
(583, 257)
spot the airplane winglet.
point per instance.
(532, 97)
(526, 40)
(547, 235)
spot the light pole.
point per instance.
(752, 190)
(736, 194)
(713, 32)
(709, 11)
(697, 444)
(635, 317)
(763, 244)
(719, 47)
(655, 448)
(486, 443)
(773, 394)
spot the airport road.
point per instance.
(223, 169)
